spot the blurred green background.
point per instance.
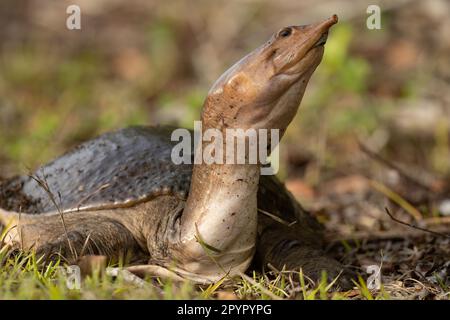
(152, 62)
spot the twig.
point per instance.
(414, 226)
(392, 165)
(277, 219)
(86, 198)
(86, 243)
(19, 229)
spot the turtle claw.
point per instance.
(153, 271)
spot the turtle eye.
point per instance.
(286, 32)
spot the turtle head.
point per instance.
(265, 88)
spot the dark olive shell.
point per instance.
(116, 169)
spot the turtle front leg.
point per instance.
(74, 235)
(293, 247)
(107, 237)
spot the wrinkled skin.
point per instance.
(216, 231)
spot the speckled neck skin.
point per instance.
(261, 91)
(223, 206)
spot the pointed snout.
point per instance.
(324, 26)
(329, 22)
(319, 31)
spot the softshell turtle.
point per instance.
(121, 194)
